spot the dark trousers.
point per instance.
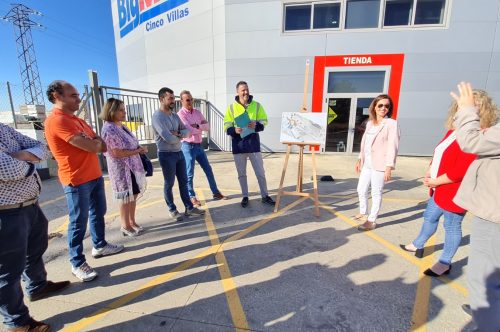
(173, 165)
(23, 240)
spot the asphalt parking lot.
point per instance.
(253, 269)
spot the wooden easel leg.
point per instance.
(315, 182)
(300, 172)
(280, 190)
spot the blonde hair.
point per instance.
(488, 111)
(109, 110)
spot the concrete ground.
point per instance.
(252, 269)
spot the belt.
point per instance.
(19, 205)
(191, 143)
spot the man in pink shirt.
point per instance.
(191, 146)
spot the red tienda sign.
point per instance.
(395, 61)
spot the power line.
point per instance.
(71, 40)
(74, 29)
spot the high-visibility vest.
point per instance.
(255, 112)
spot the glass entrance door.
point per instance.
(348, 93)
(337, 131)
(360, 120)
(348, 118)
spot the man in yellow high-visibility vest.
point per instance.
(243, 121)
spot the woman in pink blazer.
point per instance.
(377, 158)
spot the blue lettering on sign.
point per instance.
(154, 24)
(132, 13)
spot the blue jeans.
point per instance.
(23, 240)
(194, 152)
(452, 228)
(86, 201)
(172, 165)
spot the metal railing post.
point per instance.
(96, 96)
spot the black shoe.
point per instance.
(419, 253)
(467, 309)
(244, 202)
(268, 200)
(431, 273)
(49, 290)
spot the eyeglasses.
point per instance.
(383, 105)
(188, 100)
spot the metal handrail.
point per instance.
(141, 105)
(218, 139)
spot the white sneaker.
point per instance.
(176, 215)
(108, 249)
(194, 210)
(84, 272)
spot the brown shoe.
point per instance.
(50, 289)
(33, 326)
(367, 226)
(195, 202)
(219, 196)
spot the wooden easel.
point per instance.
(300, 174)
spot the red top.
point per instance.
(454, 164)
(75, 166)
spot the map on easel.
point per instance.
(301, 127)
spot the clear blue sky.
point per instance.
(77, 36)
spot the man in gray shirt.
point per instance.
(169, 130)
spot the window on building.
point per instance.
(430, 12)
(356, 81)
(326, 16)
(297, 17)
(398, 12)
(362, 14)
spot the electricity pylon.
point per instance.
(19, 16)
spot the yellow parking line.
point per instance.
(84, 322)
(230, 288)
(81, 324)
(52, 201)
(424, 285)
(420, 313)
(388, 199)
(409, 257)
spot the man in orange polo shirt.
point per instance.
(75, 146)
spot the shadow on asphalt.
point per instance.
(287, 282)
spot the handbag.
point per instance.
(146, 163)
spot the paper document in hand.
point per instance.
(246, 132)
(242, 121)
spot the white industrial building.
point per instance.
(415, 50)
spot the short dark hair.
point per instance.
(241, 83)
(164, 90)
(55, 86)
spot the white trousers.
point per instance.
(375, 179)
